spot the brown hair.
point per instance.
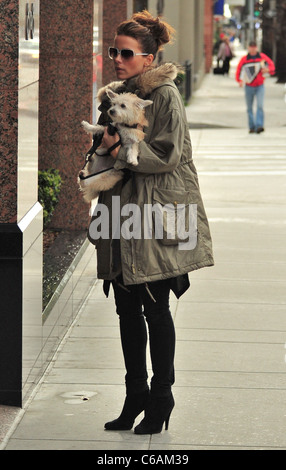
(152, 33)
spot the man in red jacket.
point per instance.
(250, 71)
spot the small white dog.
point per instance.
(128, 118)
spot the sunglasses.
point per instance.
(126, 54)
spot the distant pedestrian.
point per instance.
(225, 54)
(217, 44)
(251, 70)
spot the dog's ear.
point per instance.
(144, 103)
(111, 94)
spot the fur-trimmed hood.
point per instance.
(144, 83)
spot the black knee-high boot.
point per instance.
(162, 348)
(133, 339)
(133, 335)
(161, 401)
(162, 337)
(134, 404)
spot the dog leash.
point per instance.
(111, 131)
(113, 147)
(95, 144)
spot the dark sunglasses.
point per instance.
(126, 54)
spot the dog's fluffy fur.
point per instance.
(126, 110)
(145, 83)
(91, 187)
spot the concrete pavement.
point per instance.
(231, 325)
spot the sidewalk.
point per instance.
(231, 325)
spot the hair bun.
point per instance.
(161, 31)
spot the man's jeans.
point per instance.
(250, 93)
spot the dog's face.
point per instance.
(126, 108)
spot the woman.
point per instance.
(225, 54)
(144, 270)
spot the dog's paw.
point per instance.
(133, 161)
(85, 125)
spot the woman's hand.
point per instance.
(109, 140)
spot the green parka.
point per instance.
(165, 175)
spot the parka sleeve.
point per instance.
(163, 152)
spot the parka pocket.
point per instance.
(174, 218)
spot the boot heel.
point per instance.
(167, 421)
(156, 414)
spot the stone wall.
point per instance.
(66, 95)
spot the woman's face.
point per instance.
(128, 68)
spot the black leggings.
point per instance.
(133, 306)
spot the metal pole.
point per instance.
(251, 19)
(273, 7)
(160, 11)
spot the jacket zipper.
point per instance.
(131, 241)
